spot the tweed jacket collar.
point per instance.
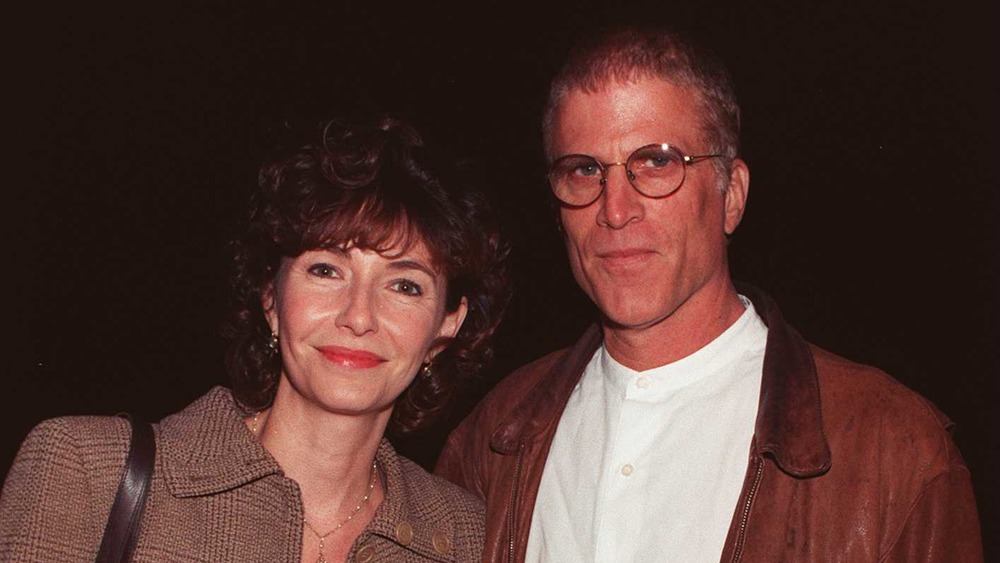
(789, 423)
(407, 504)
(207, 449)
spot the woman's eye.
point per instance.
(324, 271)
(407, 287)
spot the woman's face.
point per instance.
(355, 325)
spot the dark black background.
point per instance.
(869, 128)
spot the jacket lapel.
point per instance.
(789, 423)
(543, 405)
(206, 448)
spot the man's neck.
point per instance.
(698, 321)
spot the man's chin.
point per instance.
(630, 319)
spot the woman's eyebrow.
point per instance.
(413, 265)
(335, 250)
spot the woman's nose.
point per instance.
(357, 313)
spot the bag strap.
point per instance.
(122, 529)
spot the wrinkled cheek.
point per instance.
(578, 265)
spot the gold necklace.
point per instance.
(364, 501)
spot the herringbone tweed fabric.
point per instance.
(216, 495)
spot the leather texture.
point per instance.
(122, 529)
(846, 463)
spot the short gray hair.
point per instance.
(628, 54)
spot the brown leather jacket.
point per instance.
(846, 464)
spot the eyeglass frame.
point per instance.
(603, 167)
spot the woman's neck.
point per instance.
(329, 455)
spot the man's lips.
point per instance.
(351, 358)
(623, 252)
(624, 256)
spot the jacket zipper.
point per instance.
(741, 537)
(513, 502)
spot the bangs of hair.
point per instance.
(367, 222)
(358, 189)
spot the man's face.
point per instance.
(643, 260)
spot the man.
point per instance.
(692, 423)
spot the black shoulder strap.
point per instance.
(122, 528)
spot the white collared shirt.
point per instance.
(648, 466)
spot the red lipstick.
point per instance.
(351, 358)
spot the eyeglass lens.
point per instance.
(654, 170)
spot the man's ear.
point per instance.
(736, 195)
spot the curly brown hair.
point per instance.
(367, 185)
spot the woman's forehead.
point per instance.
(402, 244)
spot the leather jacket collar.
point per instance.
(789, 424)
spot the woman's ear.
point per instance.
(267, 302)
(452, 322)
(450, 325)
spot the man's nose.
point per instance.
(357, 313)
(620, 202)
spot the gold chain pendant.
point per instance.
(322, 558)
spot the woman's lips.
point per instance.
(351, 358)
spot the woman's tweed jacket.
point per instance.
(216, 495)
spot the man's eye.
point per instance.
(656, 161)
(408, 287)
(652, 160)
(324, 271)
(586, 170)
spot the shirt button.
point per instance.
(365, 554)
(642, 382)
(627, 469)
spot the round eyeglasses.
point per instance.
(653, 170)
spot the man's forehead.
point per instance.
(623, 108)
(623, 89)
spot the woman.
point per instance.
(365, 293)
